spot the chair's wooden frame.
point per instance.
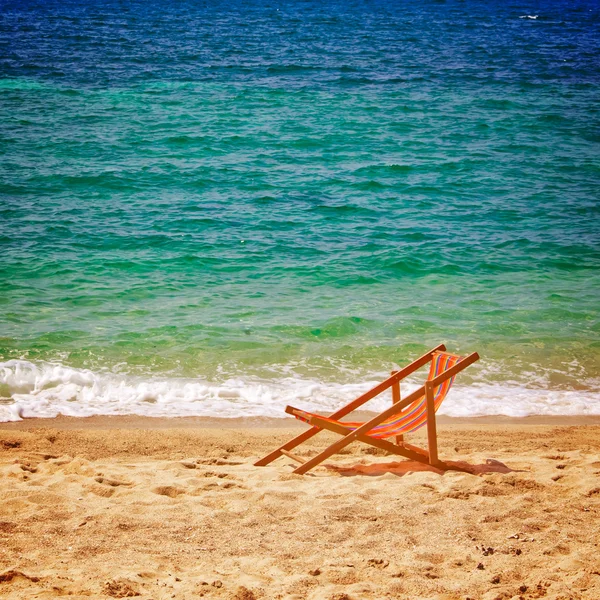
(409, 451)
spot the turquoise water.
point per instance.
(251, 199)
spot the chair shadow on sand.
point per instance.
(406, 467)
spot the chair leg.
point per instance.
(287, 446)
(412, 453)
(333, 449)
(349, 437)
(431, 426)
(395, 399)
(424, 453)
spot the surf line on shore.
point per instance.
(46, 390)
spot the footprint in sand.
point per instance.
(171, 491)
(8, 576)
(10, 444)
(105, 486)
(100, 490)
(27, 466)
(378, 563)
(112, 482)
(213, 474)
(219, 462)
(243, 593)
(120, 588)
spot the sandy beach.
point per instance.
(212, 210)
(157, 508)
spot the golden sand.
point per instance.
(157, 509)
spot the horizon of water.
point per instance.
(217, 209)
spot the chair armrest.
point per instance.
(290, 410)
(378, 389)
(452, 371)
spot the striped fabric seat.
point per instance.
(414, 416)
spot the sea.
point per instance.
(217, 208)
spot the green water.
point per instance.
(188, 202)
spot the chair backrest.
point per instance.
(414, 416)
(441, 362)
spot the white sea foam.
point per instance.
(48, 390)
(528, 16)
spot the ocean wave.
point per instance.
(46, 390)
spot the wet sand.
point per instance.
(114, 507)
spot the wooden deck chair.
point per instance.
(404, 416)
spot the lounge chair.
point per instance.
(404, 416)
